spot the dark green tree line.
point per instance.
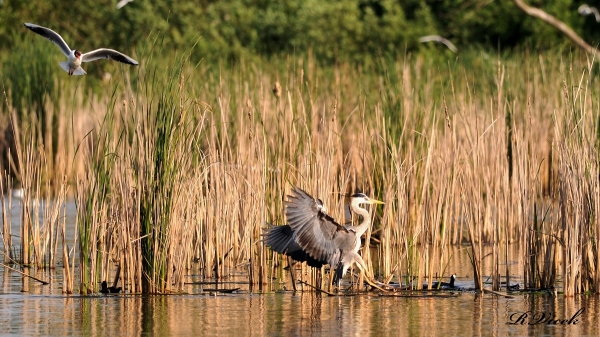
(333, 29)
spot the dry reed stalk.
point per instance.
(30, 201)
(38, 244)
(594, 250)
(52, 212)
(6, 226)
(67, 271)
(488, 178)
(313, 141)
(41, 169)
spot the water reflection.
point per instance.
(43, 311)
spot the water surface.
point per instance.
(45, 311)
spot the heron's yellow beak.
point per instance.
(373, 201)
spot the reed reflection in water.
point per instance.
(43, 312)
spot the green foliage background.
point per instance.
(332, 30)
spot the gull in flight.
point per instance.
(73, 64)
(122, 3)
(439, 39)
(587, 10)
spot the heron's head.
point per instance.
(361, 198)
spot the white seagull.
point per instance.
(73, 65)
(587, 10)
(439, 39)
(122, 3)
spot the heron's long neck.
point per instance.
(366, 220)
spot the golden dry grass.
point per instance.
(489, 151)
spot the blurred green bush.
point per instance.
(332, 30)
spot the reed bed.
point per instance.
(182, 168)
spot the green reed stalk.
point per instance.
(186, 174)
(161, 154)
(94, 192)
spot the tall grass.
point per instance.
(186, 165)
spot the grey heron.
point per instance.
(586, 10)
(282, 240)
(314, 236)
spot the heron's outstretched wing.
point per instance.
(316, 231)
(104, 53)
(50, 35)
(282, 240)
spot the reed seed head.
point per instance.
(249, 109)
(277, 90)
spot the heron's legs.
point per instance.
(361, 265)
(363, 269)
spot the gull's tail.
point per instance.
(78, 71)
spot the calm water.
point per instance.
(44, 311)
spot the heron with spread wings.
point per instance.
(314, 236)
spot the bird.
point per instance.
(282, 239)
(109, 290)
(73, 64)
(510, 286)
(314, 233)
(439, 39)
(17, 193)
(440, 285)
(586, 10)
(122, 3)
